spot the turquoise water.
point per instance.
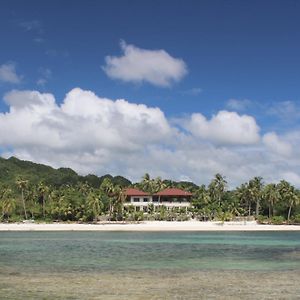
(103, 251)
(135, 266)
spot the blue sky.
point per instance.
(240, 57)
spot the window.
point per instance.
(145, 199)
(136, 199)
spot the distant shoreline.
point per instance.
(156, 226)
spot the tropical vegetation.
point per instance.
(30, 191)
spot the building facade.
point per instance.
(170, 198)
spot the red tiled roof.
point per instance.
(173, 192)
(134, 192)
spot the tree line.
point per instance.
(268, 203)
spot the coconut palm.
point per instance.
(8, 203)
(118, 200)
(244, 196)
(201, 197)
(94, 204)
(84, 188)
(157, 185)
(217, 188)
(271, 195)
(146, 183)
(43, 190)
(22, 185)
(107, 188)
(289, 196)
(255, 191)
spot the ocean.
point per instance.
(149, 265)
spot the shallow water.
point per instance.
(135, 265)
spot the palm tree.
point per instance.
(107, 188)
(8, 204)
(231, 205)
(84, 188)
(217, 188)
(255, 189)
(271, 195)
(146, 183)
(289, 195)
(157, 185)
(201, 197)
(43, 190)
(118, 200)
(244, 196)
(22, 185)
(94, 204)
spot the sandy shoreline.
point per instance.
(148, 226)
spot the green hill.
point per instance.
(13, 168)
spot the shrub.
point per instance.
(262, 219)
(138, 216)
(183, 218)
(296, 219)
(277, 220)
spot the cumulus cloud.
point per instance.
(8, 73)
(138, 65)
(276, 145)
(224, 128)
(84, 123)
(94, 134)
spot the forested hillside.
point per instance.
(13, 168)
(35, 191)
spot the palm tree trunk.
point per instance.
(110, 210)
(23, 200)
(257, 208)
(289, 214)
(44, 207)
(249, 209)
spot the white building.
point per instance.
(170, 198)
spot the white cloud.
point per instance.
(84, 122)
(285, 110)
(140, 65)
(276, 145)
(8, 73)
(98, 135)
(238, 104)
(224, 128)
(41, 82)
(291, 177)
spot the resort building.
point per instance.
(170, 198)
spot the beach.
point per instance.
(148, 226)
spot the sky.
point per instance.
(178, 89)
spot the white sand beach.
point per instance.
(148, 226)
